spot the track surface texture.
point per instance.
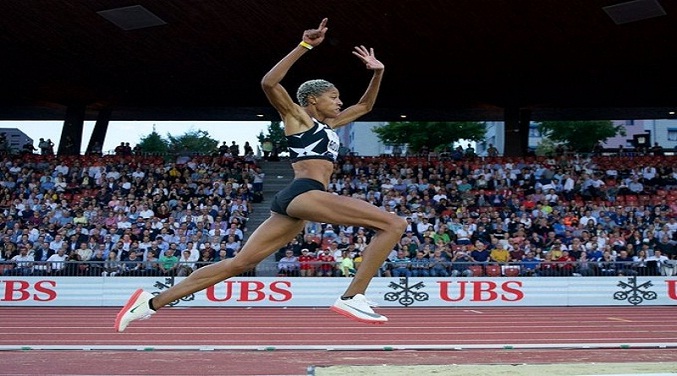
(276, 341)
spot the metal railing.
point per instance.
(334, 269)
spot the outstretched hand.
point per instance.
(368, 58)
(315, 36)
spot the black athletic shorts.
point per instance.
(297, 187)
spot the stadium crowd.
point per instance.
(533, 216)
(122, 214)
(135, 215)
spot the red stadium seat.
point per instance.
(477, 270)
(511, 271)
(493, 270)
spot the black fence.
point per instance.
(99, 268)
(324, 269)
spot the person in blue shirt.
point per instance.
(401, 265)
(480, 253)
(47, 184)
(529, 264)
(420, 265)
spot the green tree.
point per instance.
(275, 134)
(434, 135)
(193, 141)
(546, 147)
(153, 143)
(580, 136)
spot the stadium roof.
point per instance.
(445, 60)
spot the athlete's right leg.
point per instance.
(321, 206)
(271, 235)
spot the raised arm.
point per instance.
(298, 116)
(277, 95)
(366, 102)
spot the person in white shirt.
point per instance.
(587, 217)
(85, 252)
(663, 263)
(55, 244)
(186, 264)
(61, 168)
(235, 231)
(56, 263)
(440, 195)
(463, 235)
(568, 186)
(146, 212)
(23, 263)
(648, 174)
(422, 226)
(138, 174)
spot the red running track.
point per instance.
(266, 341)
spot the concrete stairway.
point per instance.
(278, 175)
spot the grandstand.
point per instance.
(604, 215)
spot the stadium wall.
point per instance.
(321, 292)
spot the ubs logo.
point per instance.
(632, 292)
(405, 294)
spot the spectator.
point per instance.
(329, 235)
(307, 263)
(151, 264)
(4, 144)
(205, 259)
(529, 265)
(248, 150)
(21, 264)
(168, 263)
(420, 265)
(548, 267)
(347, 264)
(84, 252)
(235, 149)
(607, 264)
(566, 264)
(56, 263)
(585, 266)
(257, 182)
(461, 262)
(666, 246)
(232, 244)
(224, 149)
(222, 253)
(480, 254)
(624, 264)
(112, 266)
(401, 265)
(28, 148)
(492, 151)
(499, 254)
(326, 267)
(186, 264)
(439, 264)
(97, 262)
(662, 263)
(133, 265)
(639, 263)
(288, 265)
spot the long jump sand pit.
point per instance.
(568, 369)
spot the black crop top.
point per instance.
(318, 142)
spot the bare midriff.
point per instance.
(316, 169)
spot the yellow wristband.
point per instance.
(306, 45)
